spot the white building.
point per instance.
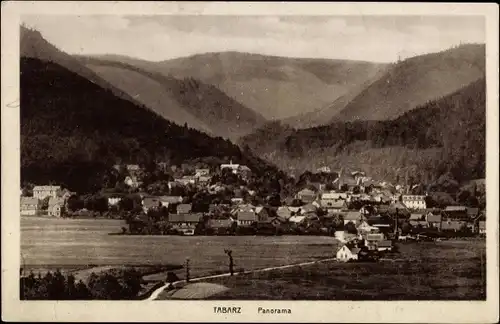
(345, 254)
(41, 192)
(414, 201)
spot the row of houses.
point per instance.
(335, 199)
(201, 176)
(32, 205)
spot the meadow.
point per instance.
(77, 244)
(448, 270)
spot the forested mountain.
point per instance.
(200, 105)
(440, 136)
(32, 44)
(274, 87)
(73, 131)
(415, 81)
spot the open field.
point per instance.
(75, 244)
(449, 270)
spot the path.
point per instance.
(158, 291)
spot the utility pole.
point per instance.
(231, 261)
(187, 269)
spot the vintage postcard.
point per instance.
(249, 162)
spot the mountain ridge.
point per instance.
(273, 86)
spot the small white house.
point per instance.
(113, 201)
(345, 253)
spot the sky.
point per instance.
(163, 37)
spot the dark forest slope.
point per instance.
(444, 135)
(73, 131)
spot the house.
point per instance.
(472, 212)
(165, 201)
(297, 219)
(246, 218)
(373, 239)
(332, 197)
(352, 216)
(308, 209)
(366, 228)
(221, 225)
(185, 223)
(237, 200)
(204, 179)
(324, 169)
(453, 225)
(482, 227)
(456, 212)
(262, 213)
(56, 207)
(113, 200)
(272, 222)
(150, 203)
(384, 245)
(306, 195)
(41, 192)
(133, 168)
(29, 206)
(236, 168)
(284, 212)
(132, 181)
(433, 220)
(380, 222)
(201, 172)
(414, 201)
(335, 206)
(186, 180)
(184, 208)
(345, 253)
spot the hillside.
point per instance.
(33, 45)
(325, 114)
(201, 106)
(274, 87)
(415, 81)
(73, 131)
(444, 135)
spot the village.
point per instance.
(365, 215)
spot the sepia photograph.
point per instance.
(253, 157)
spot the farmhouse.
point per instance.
(29, 206)
(56, 207)
(345, 253)
(41, 192)
(414, 201)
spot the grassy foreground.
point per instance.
(450, 270)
